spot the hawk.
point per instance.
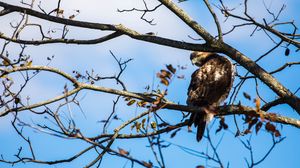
(209, 87)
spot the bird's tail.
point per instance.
(200, 120)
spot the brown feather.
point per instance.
(210, 86)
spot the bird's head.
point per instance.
(199, 58)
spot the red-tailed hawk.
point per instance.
(209, 87)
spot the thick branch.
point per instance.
(66, 41)
(247, 63)
(109, 27)
(264, 76)
(187, 19)
(225, 110)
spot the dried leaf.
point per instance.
(147, 164)
(143, 123)
(247, 131)
(131, 102)
(222, 125)
(123, 152)
(150, 33)
(102, 121)
(174, 133)
(219, 129)
(116, 117)
(258, 126)
(252, 122)
(5, 63)
(3, 76)
(132, 126)
(72, 17)
(257, 104)
(164, 81)
(60, 11)
(165, 74)
(141, 103)
(277, 133)
(270, 127)
(138, 126)
(29, 63)
(287, 52)
(127, 98)
(171, 68)
(153, 125)
(17, 100)
(246, 95)
(200, 166)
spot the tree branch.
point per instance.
(224, 110)
(109, 27)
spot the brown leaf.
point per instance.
(252, 122)
(257, 104)
(60, 11)
(29, 63)
(200, 166)
(147, 164)
(247, 131)
(258, 126)
(246, 95)
(174, 133)
(270, 127)
(164, 81)
(143, 123)
(5, 63)
(222, 123)
(153, 125)
(157, 101)
(277, 133)
(138, 126)
(131, 102)
(141, 103)
(171, 68)
(132, 126)
(127, 98)
(17, 100)
(123, 152)
(150, 33)
(72, 17)
(165, 74)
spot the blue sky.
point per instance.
(148, 59)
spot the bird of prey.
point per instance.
(209, 87)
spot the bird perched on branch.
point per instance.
(209, 87)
